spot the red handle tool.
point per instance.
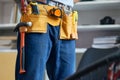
(22, 49)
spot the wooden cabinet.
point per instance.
(7, 65)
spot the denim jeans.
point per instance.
(47, 51)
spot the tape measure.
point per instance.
(56, 12)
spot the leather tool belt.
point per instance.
(67, 23)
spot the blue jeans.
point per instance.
(47, 51)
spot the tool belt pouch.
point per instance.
(69, 26)
(68, 23)
(39, 21)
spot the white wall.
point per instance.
(6, 12)
(93, 16)
(1, 13)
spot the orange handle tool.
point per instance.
(22, 49)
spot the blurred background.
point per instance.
(89, 27)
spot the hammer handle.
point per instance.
(22, 49)
(22, 52)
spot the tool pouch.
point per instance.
(68, 29)
(68, 23)
(40, 21)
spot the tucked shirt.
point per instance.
(67, 2)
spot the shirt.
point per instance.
(66, 2)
